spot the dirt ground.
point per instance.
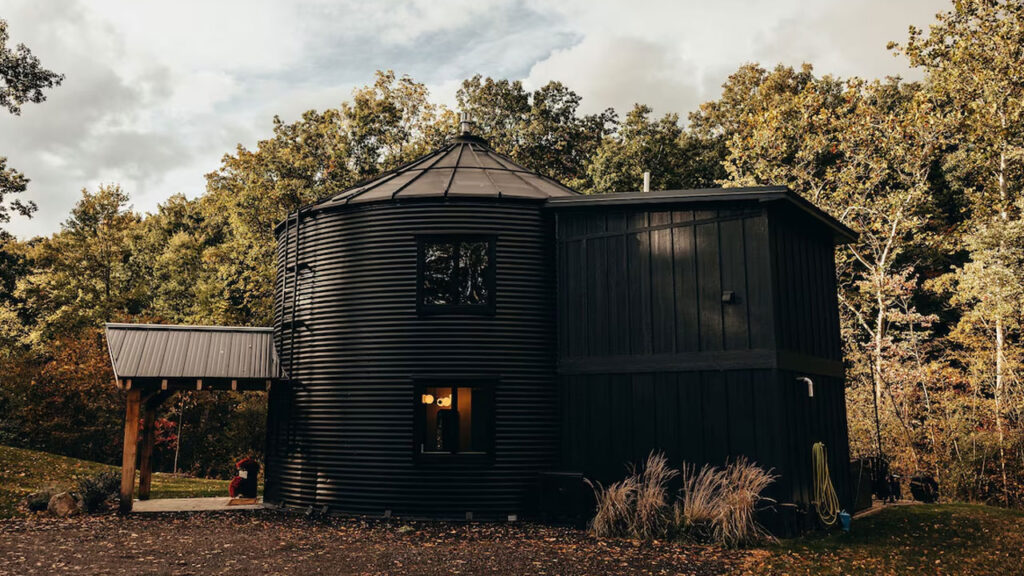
(266, 542)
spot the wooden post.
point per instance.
(146, 452)
(131, 438)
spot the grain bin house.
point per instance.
(451, 332)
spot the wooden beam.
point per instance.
(234, 384)
(131, 437)
(128, 384)
(199, 384)
(268, 385)
(146, 453)
(163, 384)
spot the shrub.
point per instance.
(38, 501)
(95, 490)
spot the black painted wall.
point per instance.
(341, 434)
(683, 327)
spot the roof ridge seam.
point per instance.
(489, 179)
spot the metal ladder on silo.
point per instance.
(292, 270)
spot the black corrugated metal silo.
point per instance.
(415, 320)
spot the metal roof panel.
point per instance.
(165, 351)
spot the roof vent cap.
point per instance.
(465, 124)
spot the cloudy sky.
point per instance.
(156, 92)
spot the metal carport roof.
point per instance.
(216, 354)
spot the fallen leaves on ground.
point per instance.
(918, 540)
(268, 542)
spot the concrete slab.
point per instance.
(195, 504)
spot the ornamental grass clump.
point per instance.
(735, 524)
(638, 506)
(652, 511)
(713, 505)
(697, 506)
(614, 508)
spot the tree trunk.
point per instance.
(1000, 341)
(1001, 337)
(876, 364)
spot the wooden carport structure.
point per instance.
(153, 361)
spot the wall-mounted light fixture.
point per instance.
(427, 399)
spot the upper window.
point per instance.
(456, 274)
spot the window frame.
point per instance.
(488, 384)
(490, 278)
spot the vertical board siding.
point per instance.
(638, 283)
(807, 293)
(655, 283)
(684, 270)
(709, 282)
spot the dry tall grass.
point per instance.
(739, 496)
(614, 508)
(638, 506)
(697, 506)
(714, 504)
(652, 516)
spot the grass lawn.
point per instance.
(924, 539)
(25, 471)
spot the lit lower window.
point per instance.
(453, 419)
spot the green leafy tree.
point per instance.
(498, 108)
(392, 122)
(89, 272)
(543, 130)
(173, 241)
(22, 80)
(24, 77)
(642, 144)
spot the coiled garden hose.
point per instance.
(825, 500)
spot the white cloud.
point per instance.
(157, 92)
(675, 55)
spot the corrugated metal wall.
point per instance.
(341, 434)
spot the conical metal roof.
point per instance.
(466, 167)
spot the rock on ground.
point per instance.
(63, 505)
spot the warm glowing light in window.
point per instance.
(427, 399)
